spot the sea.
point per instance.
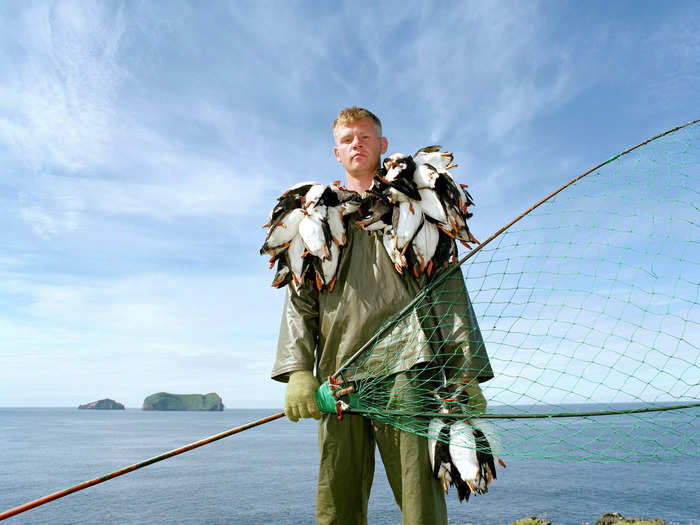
(267, 475)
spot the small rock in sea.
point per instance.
(102, 404)
(615, 518)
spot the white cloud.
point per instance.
(49, 217)
(57, 103)
(486, 67)
(63, 116)
(210, 188)
(187, 311)
(67, 110)
(175, 332)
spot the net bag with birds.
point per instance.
(587, 304)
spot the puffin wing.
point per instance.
(406, 187)
(436, 425)
(375, 217)
(282, 232)
(283, 206)
(433, 156)
(488, 446)
(314, 194)
(431, 205)
(446, 249)
(484, 455)
(290, 199)
(329, 266)
(425, 176)
(299, 188)
(283, 275)
(349, 201)
(335, 222)
(295, 258)
(439, 452)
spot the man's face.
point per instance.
(357, 147)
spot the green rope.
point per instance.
(370, 412)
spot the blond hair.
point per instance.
(353, 114)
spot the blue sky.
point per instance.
(142, 145)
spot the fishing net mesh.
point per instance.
(588, 309)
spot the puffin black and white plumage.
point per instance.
(306, 233)
(425, 245)
(428, 211)
(399, 169)
(432, 172)
(460, 451)
(413, 203)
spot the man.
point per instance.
(320, 330)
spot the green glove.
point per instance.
(477, 401)
(300, 399)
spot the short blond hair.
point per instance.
(353, 114)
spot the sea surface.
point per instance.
(267, 475)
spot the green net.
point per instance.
(588, 309)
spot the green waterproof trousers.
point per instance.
(347, 469)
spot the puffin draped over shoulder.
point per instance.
(413, 202)
(306, 233)
(420, 209)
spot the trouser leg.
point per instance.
(407, 464)
(346, 470)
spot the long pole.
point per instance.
(136, 466)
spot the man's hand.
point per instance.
(470, 387)
(300, 399)
(477, 401)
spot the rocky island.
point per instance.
(102, 404)
(166, 401)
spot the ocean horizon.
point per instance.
(267, 474)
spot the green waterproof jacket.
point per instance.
(322, 330)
